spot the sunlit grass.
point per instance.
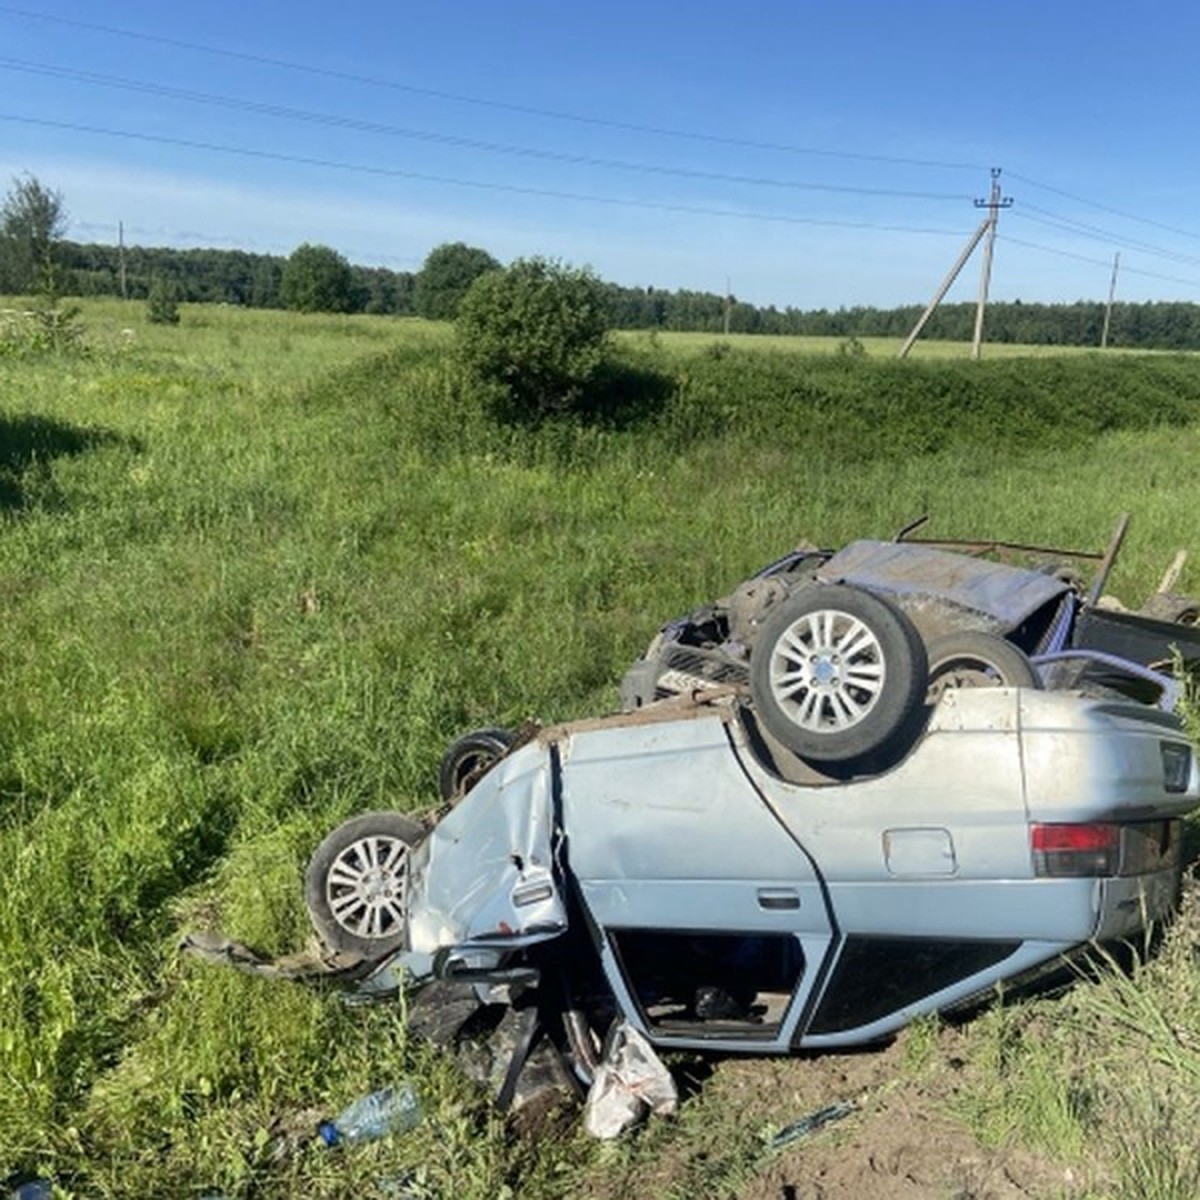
(256, 570)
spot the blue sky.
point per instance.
(816, 155)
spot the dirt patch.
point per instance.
(902, 1140)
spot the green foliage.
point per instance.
(244, 278)
(536, 333)
(857, 407)
(317, 279)
(258, 571)
(50, 329)
(447, 276)
(162, 304)
(33, 220)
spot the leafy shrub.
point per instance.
(162, 302)
(534, 336)
(46, 330)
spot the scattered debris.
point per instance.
(630, 1083)
(389, 1110)
(32, 1189)
(316, 965)
(810, 1124)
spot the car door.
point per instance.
(710, 919)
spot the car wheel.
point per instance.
(836, 673)
(972, 659)
(356, 884)
(469, 759)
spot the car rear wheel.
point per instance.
(469, 758)
(972, 659)
(837, 673)
(355, 887)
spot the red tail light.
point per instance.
(1075, 850)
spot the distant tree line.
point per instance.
(256, 280)
(1165, 325)
(36, 258)
(217, 277)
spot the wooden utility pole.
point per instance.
(1112, 288)
(994, 203)
(121, 258)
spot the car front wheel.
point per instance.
(355, 887)
(469, 758)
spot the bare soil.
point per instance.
(901, 1142)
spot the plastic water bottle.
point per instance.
(32, 1189)
(390, 1110)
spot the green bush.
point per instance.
(534, 335)
(47, 329)
(162, 302)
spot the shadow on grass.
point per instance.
(625, 395)
(1190, 845)
(622, 395)
(28, 444)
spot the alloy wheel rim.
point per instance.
(827, 671)
(365, 888)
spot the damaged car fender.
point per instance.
(485, 875)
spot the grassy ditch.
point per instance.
(256, 570)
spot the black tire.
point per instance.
(972, 659)
(823, 704)
(1177, 610)
(469, 758)
(355, 885)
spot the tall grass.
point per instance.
(256, 570)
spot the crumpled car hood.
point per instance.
(485, 875)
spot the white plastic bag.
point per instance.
(630, 1082)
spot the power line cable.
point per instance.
(206, 241)
(1099, 262)
(376, 127)
(1116, 212)
(1072, 226)
(1138, 247)
(483, 101)
(395, 173)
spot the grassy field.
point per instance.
(257, 569)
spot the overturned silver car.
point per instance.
(666, 867)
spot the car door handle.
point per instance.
(774, 898)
